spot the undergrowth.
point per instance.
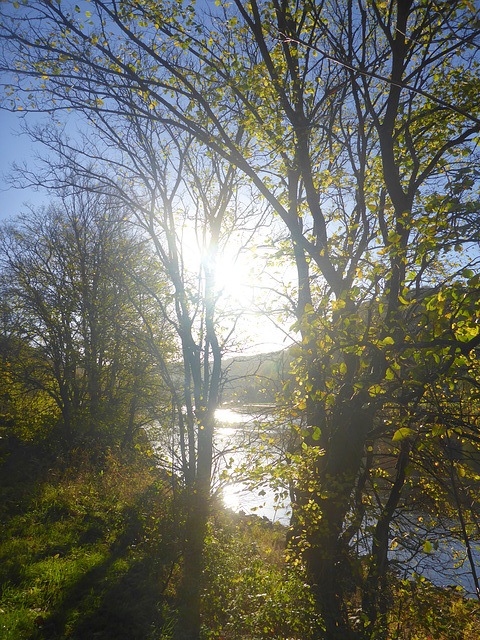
(421, 611)
(250, 591)
(90, 549)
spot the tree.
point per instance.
(64, 280)
(351, 131)
(25, 413)
(193, 208)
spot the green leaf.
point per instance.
(375, 390)
(427, 547)
(438, 429)
(402, 433)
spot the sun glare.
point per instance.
(235, 280)
(245, 291)
(243, 296)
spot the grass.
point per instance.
(87, 551)
(90, 549)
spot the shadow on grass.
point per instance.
(109, 603)
(128, 560)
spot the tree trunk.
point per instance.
(329, 567)
(374, 602)
(198, 511)
(189, 622)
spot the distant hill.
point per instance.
(255, 379)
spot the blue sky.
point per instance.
(14, 148)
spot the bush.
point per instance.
(251, 592)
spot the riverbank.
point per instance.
(90, 548)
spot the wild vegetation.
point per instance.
(91, 545)
(343, 138)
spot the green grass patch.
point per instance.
(88, 551)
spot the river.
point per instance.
(445, 565)
(237, 433)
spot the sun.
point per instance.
(246, 297)
(235, 279)
(246, 292)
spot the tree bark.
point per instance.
(334, 475)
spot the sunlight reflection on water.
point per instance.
(235, 431)
(223, 432)
(230, 416)
(231, 497)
